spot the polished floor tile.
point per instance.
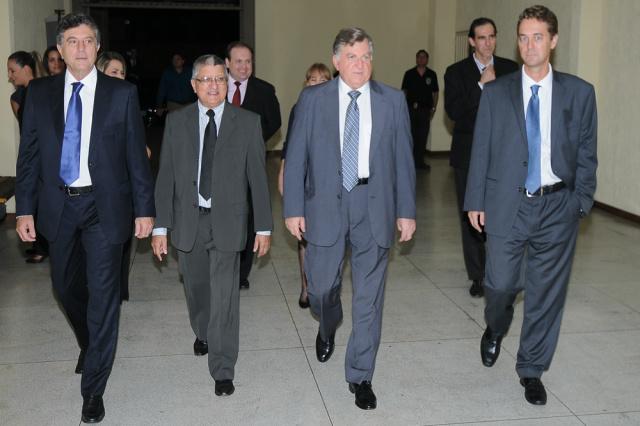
(428, 369)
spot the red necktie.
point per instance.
(236, 95)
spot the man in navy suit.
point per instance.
(255, 95)
(349, 181)
(463, 82)
(89, 200)
(532, 177)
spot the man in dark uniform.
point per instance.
(420, 86)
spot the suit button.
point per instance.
(195, 206)
(338, 197)
(520, 189)
(194, 183)
(524, 164)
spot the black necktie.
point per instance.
(208, 146)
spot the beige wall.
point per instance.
(22, 28)
(291, 35)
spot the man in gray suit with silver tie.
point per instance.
(532, 177)
(349, 181)
(206, 209)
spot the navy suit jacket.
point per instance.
(500, 154)
(260, 98)
(118, 163)
(313, 170)
(461, 100)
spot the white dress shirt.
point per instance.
(231, 89)
(364, 105)
(87, 95)
(545, 93)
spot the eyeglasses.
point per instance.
(208, 81)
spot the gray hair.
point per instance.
(74, 20)
(208, 60)
(350, 36)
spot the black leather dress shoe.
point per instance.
(324, 350)
(365, 398)
(490, 348)
(304, 304)
(477, 288)
(534, 391)
(224, 387)
(92, 409)
(244, 284)
(200, 347)
(80, 364)
(34, 260)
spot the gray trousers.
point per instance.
(323, 266)
(539, 250)
(211, 281)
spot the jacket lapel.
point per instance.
(378, 113)
(192, 125)
(558, 98)
(227, 126)
(57, 107)
(101, 108)
(331, 118)
(515, 90)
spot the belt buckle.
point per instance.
(529, 195)
(68, 191)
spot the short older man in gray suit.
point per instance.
(532, 177)
(349, 180)
(206, 208)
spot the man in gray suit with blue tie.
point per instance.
(532, 177)
(349, 181)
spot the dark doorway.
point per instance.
(157, 34)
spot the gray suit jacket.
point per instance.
(238, 164)
(313, 170)
(499, 156)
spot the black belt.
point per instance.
(76, 190)
(363, 181)
(205, 209)
(546, 190)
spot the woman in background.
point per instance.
(316, 74)
(22, 67)
(113, 65)
(52, 61)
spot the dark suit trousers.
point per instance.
(85, 272)
(539, 250)
(420, 126)
(323, 266)
(213, 298)
(472, 241)
(246, 256)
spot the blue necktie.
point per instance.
(70, 159)
(350, 143)
(533, 139)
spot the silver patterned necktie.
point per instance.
(350, 143)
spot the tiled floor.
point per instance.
(428, 370)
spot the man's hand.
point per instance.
(26, 228)
(477, 220)
(262, 244)
(296, 225)
(406, 227)
(159, 245)
(489, 74)
(144, 226)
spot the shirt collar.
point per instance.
(480, 65)
(217, 110)
(88, 82)
(344, 89)
(546, 82)
(232, 81)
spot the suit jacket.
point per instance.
(118, 163)
(461, 100)
(260, 98)
(313, 170)
(238, 164)
(500, 154)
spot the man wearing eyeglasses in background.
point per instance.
(206, 209)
